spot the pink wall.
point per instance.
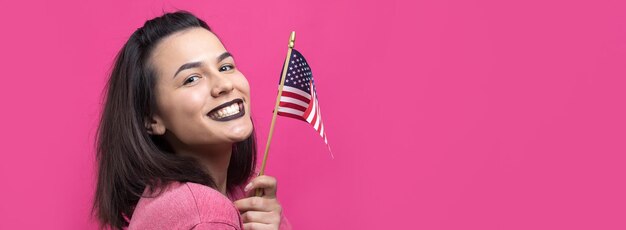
(451, 114)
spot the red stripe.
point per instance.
(296, 96)
(291, 115)
(292, 106)
(314, 119)
(310, 108)
(307, 111)
(319, 128)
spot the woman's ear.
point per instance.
(154, 125)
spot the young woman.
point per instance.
(176, 146)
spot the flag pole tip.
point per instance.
(292, 39)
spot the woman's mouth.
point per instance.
(228, 111)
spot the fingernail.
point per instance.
(248, 187)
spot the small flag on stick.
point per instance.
(299, 99)
(296, 98)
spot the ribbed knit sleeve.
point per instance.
(185, 206)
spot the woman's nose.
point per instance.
(221, 85)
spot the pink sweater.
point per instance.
(190, 206)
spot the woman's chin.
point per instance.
(239, 133)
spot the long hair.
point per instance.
(129, 159)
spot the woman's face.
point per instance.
(202, 98)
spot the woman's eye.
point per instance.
(226, 67)
(190, 79)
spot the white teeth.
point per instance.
(226, 111)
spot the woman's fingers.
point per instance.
(257, 204)
(266, 183)
(260, 217)
(258, 226)
(260, 212)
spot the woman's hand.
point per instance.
(260, 212)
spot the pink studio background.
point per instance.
(450, 114)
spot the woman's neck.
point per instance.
(215, 160)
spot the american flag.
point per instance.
(299, 99)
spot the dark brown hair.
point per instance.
(129, 159)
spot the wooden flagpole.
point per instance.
(292, 41)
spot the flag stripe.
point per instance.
(291, 115)
(296, 96)
(296, 91)
(310, 113)
(311, 110)
(290, 100)
(317, 119)
(322, 129)
(290, 110)
(292, 106)
(314, 120)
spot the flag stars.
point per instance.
(299, 74)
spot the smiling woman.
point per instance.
(176, 143)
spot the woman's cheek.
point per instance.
(242, 83)
(192, 100)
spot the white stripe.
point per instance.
(290, 110)
(313, 102)
(313, 111)
(294, 101)
(317, 121)
(297, 91)
(322, 132)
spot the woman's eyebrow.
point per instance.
(198, 64)
(223, 56)
(188, 66)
